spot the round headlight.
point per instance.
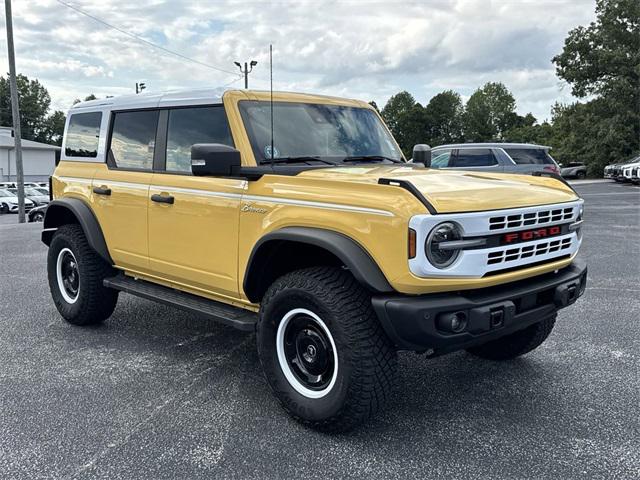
(443, 232)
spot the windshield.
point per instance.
(5, 193)
(312, 130)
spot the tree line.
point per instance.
(601, 63)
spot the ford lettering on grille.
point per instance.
(534, 234)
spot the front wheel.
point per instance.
(76, 273)
(581, 175)
(4, 208)
(515, 344)
(323, 350)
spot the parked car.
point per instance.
(495, 157)
(574, 170)
(38, 213)
(9, 202)
(615, 171)
(37, 197)
(43, 190)
(325, 242)
(629, 172)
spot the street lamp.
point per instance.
(247, 69)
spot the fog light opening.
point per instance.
(454, 322)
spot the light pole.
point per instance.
(15, 111)
(246, 71)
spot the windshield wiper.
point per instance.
(303, 158)
(370, 158)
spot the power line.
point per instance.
(140, 39)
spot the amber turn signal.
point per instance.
(412, 243)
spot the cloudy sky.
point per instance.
(358, 48)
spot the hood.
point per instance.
(459, 191)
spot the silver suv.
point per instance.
(495, 157)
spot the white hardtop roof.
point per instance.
(155, 99)
(167, 99)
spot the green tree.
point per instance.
(34, 101)
(444, 118)
(602, 60)
(489, 113)
(54, 127)
(406, 120)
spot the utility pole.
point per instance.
(15, 111)
(246, 71)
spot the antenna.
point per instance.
(271, 101)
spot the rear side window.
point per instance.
(474, 157)
(440, 159)
(528, 156)
(83, 134)
(188, 126)
(133, 138)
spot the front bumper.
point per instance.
(412, 322)
(14, 208)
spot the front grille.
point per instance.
(528, 251)
(530, 219)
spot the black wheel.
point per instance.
(516, 344)
(4, 208)
(323, 350)
(75, 275)
(581, 175)
(37, 217)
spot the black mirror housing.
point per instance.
(422, 154)
(214, 160)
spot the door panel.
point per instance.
(122, 214)
(194, 240)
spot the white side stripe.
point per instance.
(240, 196)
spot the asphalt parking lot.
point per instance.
(159, 393)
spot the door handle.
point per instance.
(102, 190)
(162, 198)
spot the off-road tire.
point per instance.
(515, 344)
(367, 361)
(94, 303)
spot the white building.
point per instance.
(38, 159)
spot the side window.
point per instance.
(474, 157)
(83, 134)
(188, 126)
(440, 159)
(529, 156)
(133, 138)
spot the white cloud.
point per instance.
(361, 49)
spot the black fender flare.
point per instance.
(348, 251)
(64, 211)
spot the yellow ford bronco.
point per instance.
(298, 218)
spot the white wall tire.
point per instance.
(330, 303)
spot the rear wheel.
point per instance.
(322, 349)
(581, 175)
(516, 344)
(76, 273)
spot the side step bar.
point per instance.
(220, 312)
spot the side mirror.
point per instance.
(214, 160)
(422, 154)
